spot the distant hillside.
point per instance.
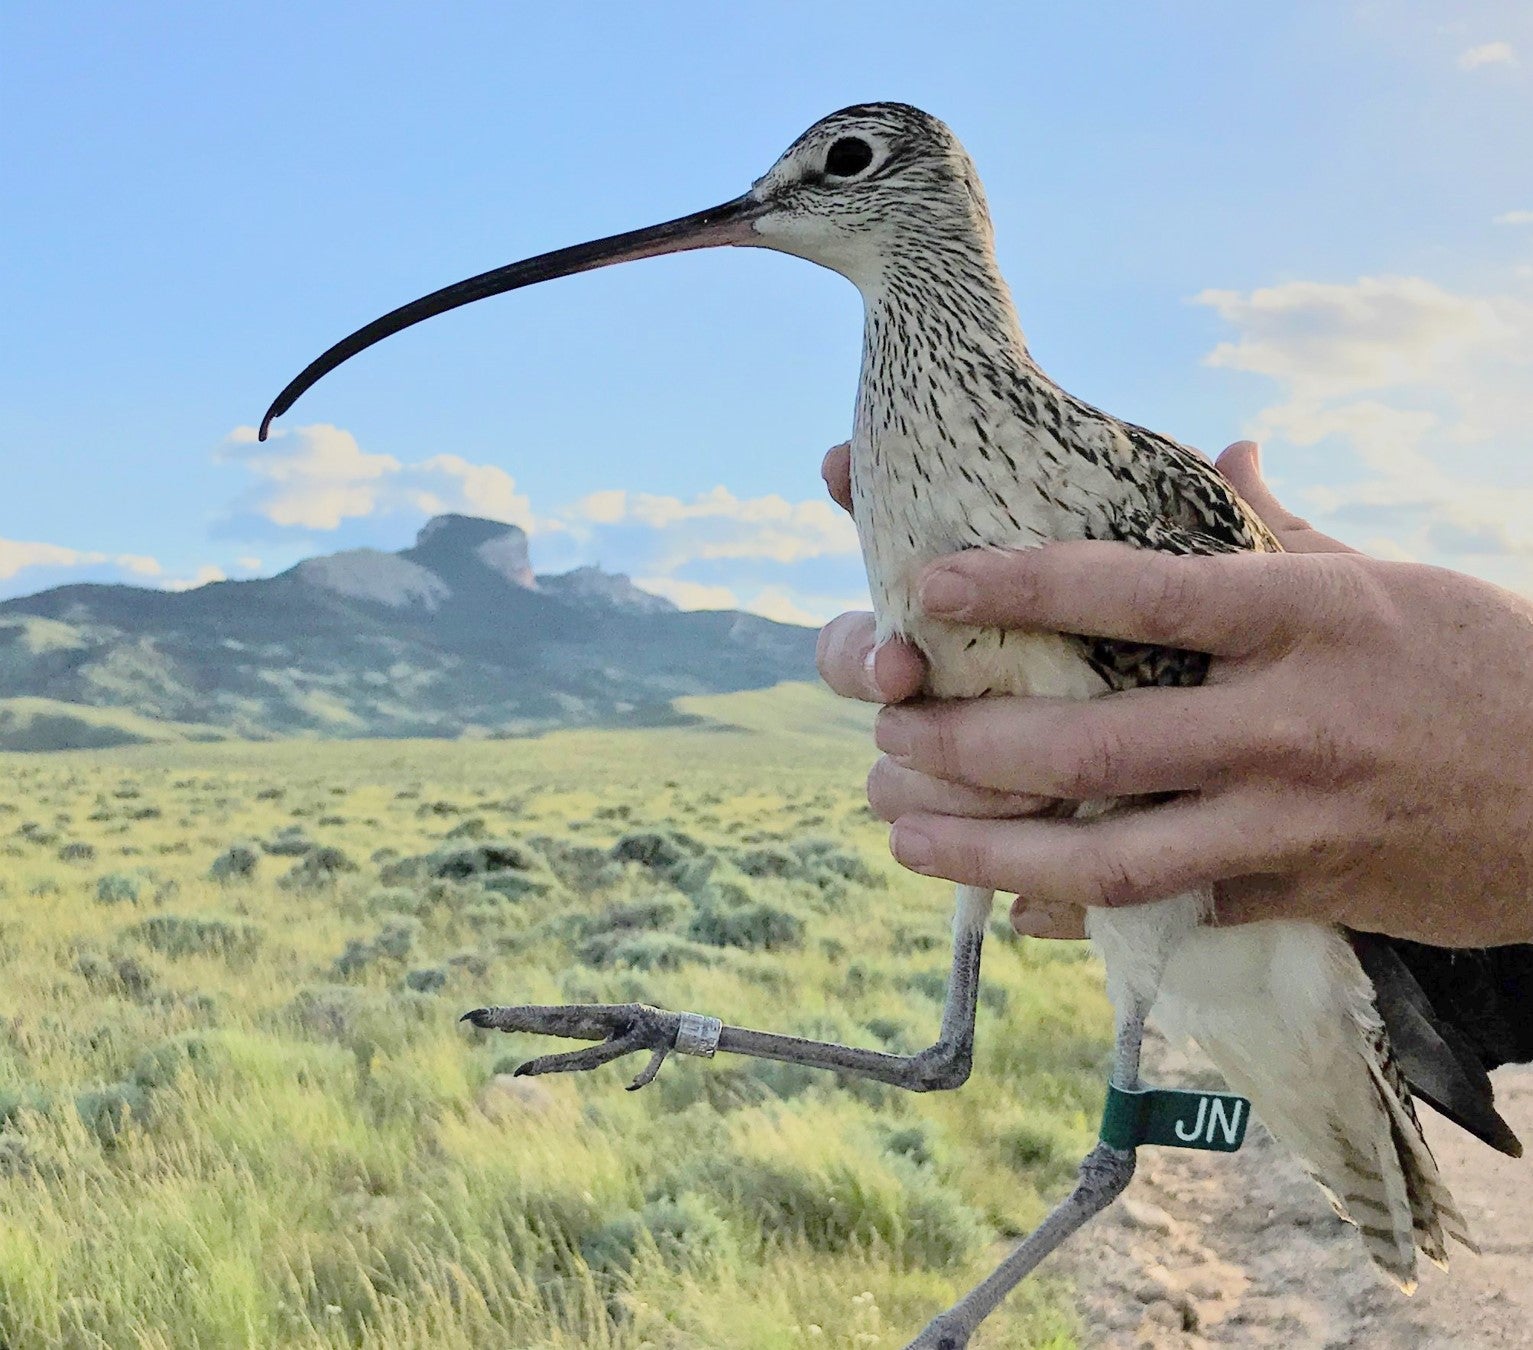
(454, 636)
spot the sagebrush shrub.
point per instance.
(289, 842)
(123, 975)
(319, 866)
(685, 1232)
(427, 980)
(238, 862)
(119, 888)
(178, 935)
(162, 1064)
(107, 1111)
(643, 951)
(723, 920)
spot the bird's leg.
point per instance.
(1137, 944)
(622, 1028)
(1104, 1176)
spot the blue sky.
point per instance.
(1312, 222)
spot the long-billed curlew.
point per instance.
(960, 441)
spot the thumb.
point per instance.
(1241, 465)
(836, 470)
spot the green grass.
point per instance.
(42, 723)
(241, 1112)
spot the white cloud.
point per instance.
(717, 524)
(689, 594)
(1514, 218)
(657, 537)
(785, 604)
(314, 477)
(451, 483)
(1425, 387)
(775, 602)
(317, 477)
(204, 576)
(1325, 338)
(19, 555)
(1487, 54)
(603, 508)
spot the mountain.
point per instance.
(453, 636)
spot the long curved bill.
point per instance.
(727, 224)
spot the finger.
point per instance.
(1371, 905)
(854, 667)
(1228, 604)
(1250, 899)
(1241, 464)
(836, 470)
(1301, 894)
(1120, 745)
(1065, 922)
(1124, 859)
(895, 791)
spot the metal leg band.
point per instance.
(698, 1035)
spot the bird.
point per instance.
(961, 441)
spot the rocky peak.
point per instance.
(381, 578)
(592, 585)
(446, 543)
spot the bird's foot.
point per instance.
(619, 1028)
(623, 1028)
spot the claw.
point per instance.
(647, 1075)
(573, 1061)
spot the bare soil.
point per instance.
(1242, 1250)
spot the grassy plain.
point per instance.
(236, 1107)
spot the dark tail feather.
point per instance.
(1451, 1017)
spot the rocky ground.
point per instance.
(1242, 1250)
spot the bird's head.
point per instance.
(860, 190)
(867, 185)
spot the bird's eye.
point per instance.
(847, 156)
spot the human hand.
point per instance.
(1362, 752)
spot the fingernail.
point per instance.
(892, 732)
(911, 847)
(947, 592)
(870, 666)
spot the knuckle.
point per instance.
(1316, 753)
(884, 795)
(1346, 599)
(1323, 846)
(1083, 763)
(940, 745)
(1332, 757)
(972, 861)
(1162, 596)
(1108, 882)
(1277, 739)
